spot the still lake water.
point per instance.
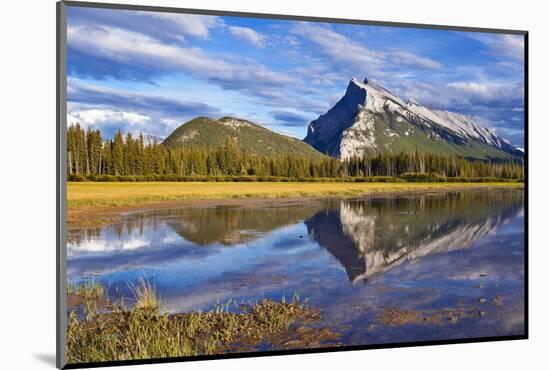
(354, 259)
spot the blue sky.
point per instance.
(150, 71)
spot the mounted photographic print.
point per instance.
(234, 184)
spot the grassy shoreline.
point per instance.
(102, 330)
(85, 195)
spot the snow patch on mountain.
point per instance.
(378, 99)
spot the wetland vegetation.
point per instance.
(101, 329)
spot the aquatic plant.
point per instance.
(89, 288)
(144, 332)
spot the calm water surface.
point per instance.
(354, 259)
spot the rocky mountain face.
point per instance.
(369, 119)
(212, 133)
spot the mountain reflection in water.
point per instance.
(369, 237)
(427, 253)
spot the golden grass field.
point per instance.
(129, 194)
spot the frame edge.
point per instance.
(61, 185)
(61, 118)
(214, 12)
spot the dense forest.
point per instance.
(90, 156)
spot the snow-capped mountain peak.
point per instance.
(371, 119)
(377, 97)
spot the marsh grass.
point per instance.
(89, 288)
(144, 332)
(89, 296)
(145, 295)
(92, 194)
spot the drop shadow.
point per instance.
(46, 358)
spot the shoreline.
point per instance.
(115, 199)
(115, 330)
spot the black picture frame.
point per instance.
(61, 127)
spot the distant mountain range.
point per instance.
(368, 119)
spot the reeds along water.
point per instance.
(143, 331)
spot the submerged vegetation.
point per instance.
(91, 158)
(143, 331)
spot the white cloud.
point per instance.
(472, 87)
(110, 109)
(190, 24)
(171, 123)
(511, 46)
(410, 59)
(339, 48)
(131, 47)
(249, 35)
(488, 91)
(458, 95)
(98, 117)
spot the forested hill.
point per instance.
(88, 154)
(208, 133)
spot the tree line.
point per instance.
(88, 154)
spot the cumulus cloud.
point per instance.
(479, 92)
(109, 109)
(189, 24)
(511, 46)
(288, 81)
(92, 117)
(108, 121)
(248, 35)
(133, 49)
(168, 27)
(342, 49)
(458, 95)
(337, 46)
(491, 103)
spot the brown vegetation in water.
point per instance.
(145, 332)
(395, 316)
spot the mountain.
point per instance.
(370, 238)
(235, 225)
(212, 133)
(369, 119)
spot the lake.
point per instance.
(382, 269)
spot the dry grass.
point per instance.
(88, 289)
(145, 295)
(144, 332)
(94, 194)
